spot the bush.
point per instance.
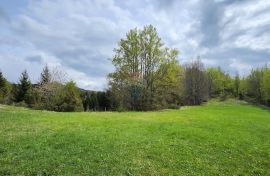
(70, 98)
(21, 104)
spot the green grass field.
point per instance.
(218, 138)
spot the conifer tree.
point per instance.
(2, 81)
(3, 87)
(45, 76)
(24, 88)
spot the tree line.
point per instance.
(51, 93)
(147, 76)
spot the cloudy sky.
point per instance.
(78, 36)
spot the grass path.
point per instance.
(219, 138)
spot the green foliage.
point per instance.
(220, 84)
(216, 83)
(255, 87)
(51, 94)
(24, 89)
(45, 76)
(141, 62)
(4, 89)
(237, 82)
(147, 76)
(103, 101)
(57, 97)
(69, 99)
(219, 138)
(265, 86)
(95, 101)
(169, 82)
(254, 81)
(3, 84)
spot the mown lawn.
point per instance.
(219, 138)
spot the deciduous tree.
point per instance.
(195, 82)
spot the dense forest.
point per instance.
(147, 76)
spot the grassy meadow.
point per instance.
(218, 138)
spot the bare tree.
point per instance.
(195, 82)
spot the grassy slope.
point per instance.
(225, 138)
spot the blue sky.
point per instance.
(78, 36)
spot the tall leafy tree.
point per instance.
(254, 83)
(220, 84)
(216, 81)
(137, 60)
(169, 81)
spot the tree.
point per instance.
(243, 89)
(4, 89)
(255, 87)
(85, 96)
(216, 85)
(94, 101)
(237, 81)
(220, 84)
(45, 76)
(265, 86)
(168, 85)
(103, 101)
(2, 81)
(137, 60)
(254, 83)
(228, 86)
(50, 90)
(195, 83)
(70, 100)
(24, 89)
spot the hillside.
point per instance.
(218, 138)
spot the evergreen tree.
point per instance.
(24, 88)
(3, 88)
(85, 100)
(45, 76)
(94, 101)
(102, 101)
(2, 81)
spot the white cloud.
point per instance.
(79, 36)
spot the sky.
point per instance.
(78, 36)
